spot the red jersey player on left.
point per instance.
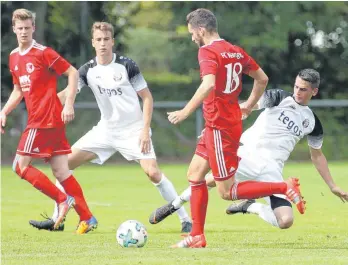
(34, 69)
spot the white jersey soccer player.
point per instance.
(267, 144)
(116, 82)
(115, 88)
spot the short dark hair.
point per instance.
(310, 75)
(202, 18)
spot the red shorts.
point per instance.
(43, 143)
(220, 148)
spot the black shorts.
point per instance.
(278, 202)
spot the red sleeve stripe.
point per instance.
(54, 61)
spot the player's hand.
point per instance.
(340, 193)
(176, 117)
(201, 135)
(145, 141)
(2, 121)
(245, 109)
(68, 114)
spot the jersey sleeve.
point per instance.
(250, 64)
(82, 77)
(208, 62)
(135, 76)
(15, 80)
(316, 137)
(54, 61)
(272, 98)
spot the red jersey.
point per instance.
(227, 62)
(35, 70)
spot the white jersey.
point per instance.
(280, 126)
(115, 87)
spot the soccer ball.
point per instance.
(131, 234)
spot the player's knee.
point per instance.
(285, 222)
(18, 168)
(60, 174)
(224, 194)
(154, 174)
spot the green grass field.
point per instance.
(117, 193)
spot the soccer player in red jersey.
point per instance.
(221, 66)
(34, 69)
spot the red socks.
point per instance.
(73, 188)
(41, 182)
(199, 203)
(254, 189)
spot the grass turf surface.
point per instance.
(118, 193)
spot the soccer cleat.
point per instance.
(186, 227)
(294, 194)
(47, 224)
(240, 207)
(162, 213)
(86, 226)
(191, 242)
(63, 209)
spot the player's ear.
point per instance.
(14, 29)
(33, 29)
(93, 42)
(113, 41)
(315, 91)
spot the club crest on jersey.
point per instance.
(30, 68)
(305, 123)
(117, 77)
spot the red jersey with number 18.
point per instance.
(227, 62)
(35, 70)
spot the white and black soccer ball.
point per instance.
(131, 234)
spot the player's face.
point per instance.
(196, 35)
(24, 30)
(102, 42)
(303, 92)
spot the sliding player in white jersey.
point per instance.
(267, 145)
(116, 82)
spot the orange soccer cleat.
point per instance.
(294, 194)
(192, 242)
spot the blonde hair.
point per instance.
(103, 26)
(23, 14)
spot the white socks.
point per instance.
(264, 211)
(168, 192)
(55, 211)
(184, 197)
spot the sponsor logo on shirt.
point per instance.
(110, 92)
(25, 82)
(290, 125)
(16, 68)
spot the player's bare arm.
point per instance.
(14, 99)
(320, 162)
(145, 139)
(260, 84)
(202, 92)
(71, 90)
(62, 96)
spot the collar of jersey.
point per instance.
(298, 103)
(212, 42)
(112, 61)
(28, 49)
